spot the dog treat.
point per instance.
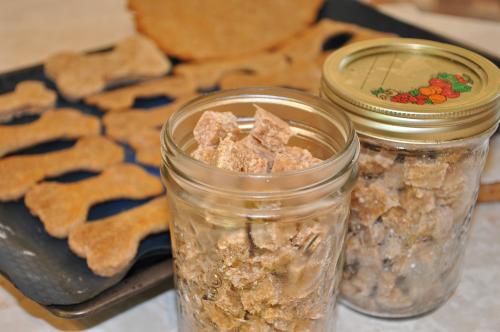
(123, 98)
(64, 123)
(212, 127)
(121, 126)
(299, 75)
(62, 206)
(29, 97)
(79, 75)
(221, 29)
(146, 144)
(19, 173)
(310, 44)
(270, 131)
(110, 244)
(408, 212)
(489, 193)
(208, 73)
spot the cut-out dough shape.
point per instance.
(62, 206)
(110, 244)
(79, 75)
(64, 123)
(28, 98)
(19, 173)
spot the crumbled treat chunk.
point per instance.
(212, 127)
(263, 294)
(371, 200)
(293, 158)
(234, 246)
(227, 156)
(270, 130)
(205, 154)
(272, 236)
(375, 162)
(405, 239)
(423, 174)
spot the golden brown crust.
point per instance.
(29, 97)
(62, 206)
(110, 244)
(64, 123)
(194, 29)
(146, 144)
(18, 174)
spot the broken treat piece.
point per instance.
(227, 155)
(18, 173)
(424, 174)
(270, 131)
(64, 123)
(28, 98)
(63, 206)
(293, 158)
(212, 127)
(79, 75)
(109, 245)
(205, 154)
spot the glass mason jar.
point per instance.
(424, 112)
(260, 252)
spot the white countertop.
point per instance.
(32, 29)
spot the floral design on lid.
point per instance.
(441, 87)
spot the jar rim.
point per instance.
(342, 159)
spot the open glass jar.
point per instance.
(260, 252)
(424, 112)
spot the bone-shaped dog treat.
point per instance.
(308, 45)
(29, 97)
(146, 144)
(207, 74)
(62, 206)
(110, 244)
(303, 76)
(121, 126)
(123, 98)
(19, 173)
(52, 125)
(79, 75)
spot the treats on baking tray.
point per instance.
(78, 75)
(200, 30)
(64, 123)
(62, 206)
(146, 144)
(28, 98)
(109, 245)
(257, 223)
(93, 153)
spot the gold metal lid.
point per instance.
(414, 91)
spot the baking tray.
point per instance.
(44, 268)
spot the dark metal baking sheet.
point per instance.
(44, 269)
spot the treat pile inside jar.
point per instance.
(264, 150)
(258, 274)
(409, 215)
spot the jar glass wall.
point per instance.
(410, 220)
(260, 251)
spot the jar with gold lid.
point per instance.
(424, 112)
